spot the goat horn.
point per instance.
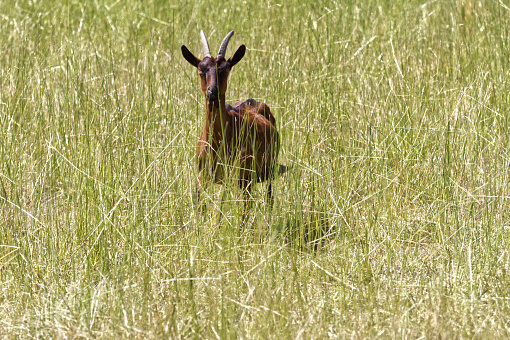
(224, 44)
(205, 44)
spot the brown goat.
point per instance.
(242, 137)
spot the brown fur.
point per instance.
(242, 137)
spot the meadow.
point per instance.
(392, 221)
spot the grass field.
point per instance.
(393, 221)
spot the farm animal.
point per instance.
(241, 138)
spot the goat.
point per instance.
(240, 137)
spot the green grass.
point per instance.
(393, 221)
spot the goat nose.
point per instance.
(212, 93)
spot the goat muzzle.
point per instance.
(212, 93)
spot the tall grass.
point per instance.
(392, 221)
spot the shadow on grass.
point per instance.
(309, 232)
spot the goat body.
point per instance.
(248, 137)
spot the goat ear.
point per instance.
(189, 56)
(237, 56)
